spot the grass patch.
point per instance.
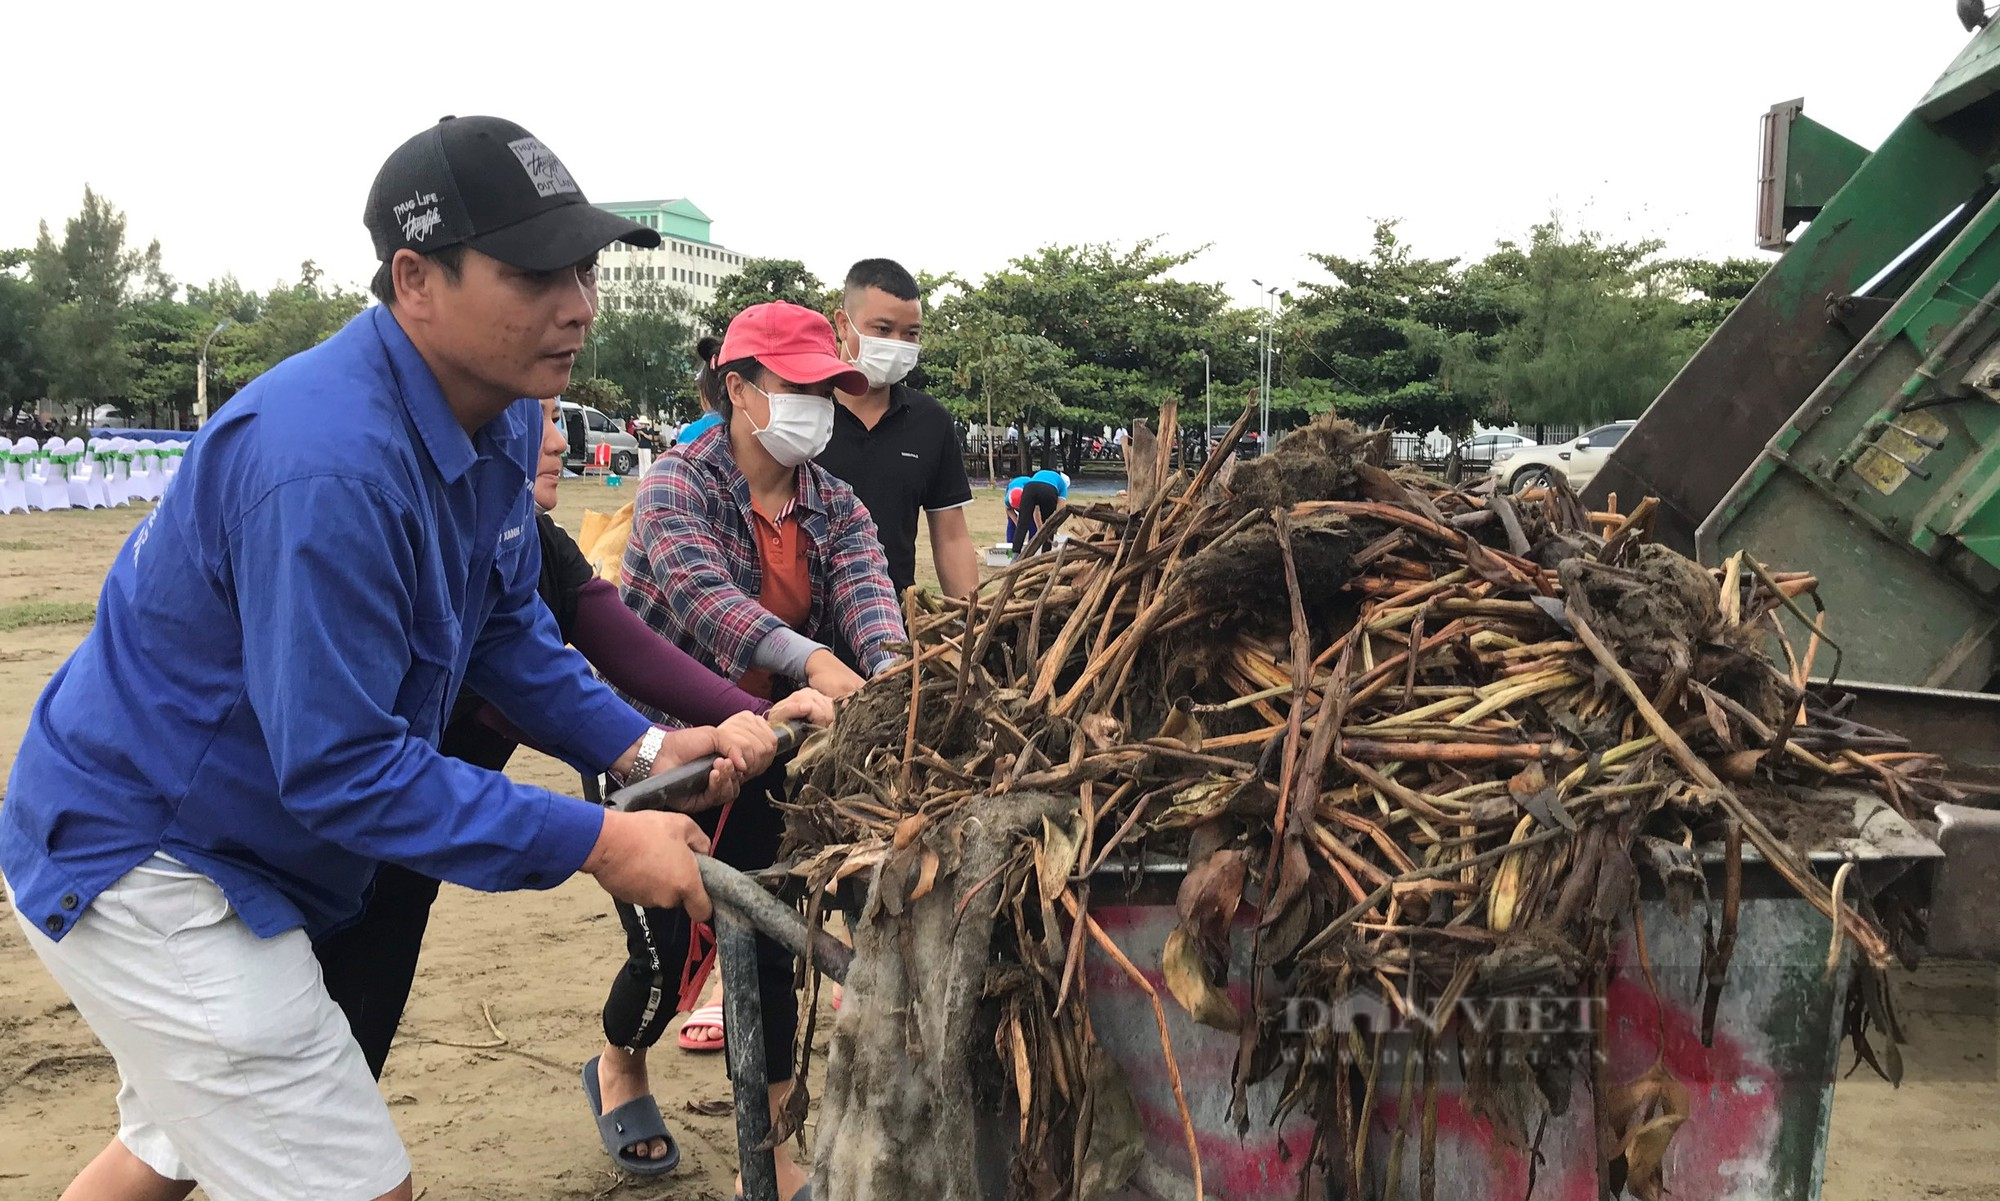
(18, 544)
(46, 613)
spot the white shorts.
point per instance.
(235, 1067)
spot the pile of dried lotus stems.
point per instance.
(1431, 738)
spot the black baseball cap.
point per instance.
(491, 185)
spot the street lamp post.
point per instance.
(1270, 364)
(1263, 384)
(1264, 371)
(1208, 407)
(201, 374)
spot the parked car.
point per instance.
(1480, 450)
(601, 430)
(1575, 463)
(1249, 446)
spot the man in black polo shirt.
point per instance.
(896, 446)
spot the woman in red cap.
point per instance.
(751, 558)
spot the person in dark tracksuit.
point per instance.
(369, 965)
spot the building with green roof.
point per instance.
(688, 260)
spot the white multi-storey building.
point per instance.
(687, 260)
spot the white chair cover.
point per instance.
(118, 473)
(104, 464)
(170, 459)
(28, 453)
(54, 475)
(86, 486)
(13, 485)
(147, 478)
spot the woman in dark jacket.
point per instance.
(369, 966)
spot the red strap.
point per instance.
(701, 938)
(694, 973)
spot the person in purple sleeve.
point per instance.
(370, 965)
(250, 728)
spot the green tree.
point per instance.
(759, 281)
(23, 376)
(1598, 327)
(1394, 337)
(1000, 374)
(292, 318)
(262, 331)
(644, 346)
(1715, 289)
(164, 337)
(82, 284)
(1115, 336)
(226, 297)
(598, 393)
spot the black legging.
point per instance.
(369, 966)
(645, 993)
(1040, 498)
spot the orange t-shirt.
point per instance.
(787, 588)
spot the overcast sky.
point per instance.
(955, 135)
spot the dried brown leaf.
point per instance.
(1718, 721)
(1294, 873)
(1645, 1151)
(860, 861)
(1103, 730)
(1533, 792)
(1208, 899)
(1284, 936)
(1199, 802)
(1187, 979)
(1057, 859)
(1117, 1134)
(909, 829)
(1024, 1075)
(926, 877)
(1214, 889)
(1643, 1115)
(1183, 727)
(1739, 767)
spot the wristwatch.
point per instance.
(649, 750)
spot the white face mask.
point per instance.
(800, 427)
(884, 361)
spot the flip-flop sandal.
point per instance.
(636, 1121)
(708, 1017)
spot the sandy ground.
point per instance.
(508, 1122)
(505, 1122)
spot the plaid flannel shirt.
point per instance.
(692, 570)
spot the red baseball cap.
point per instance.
(793, 342)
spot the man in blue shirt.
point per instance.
(1033, 500)
(251, 726)
(708, 420)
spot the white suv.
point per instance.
(1573, 462)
